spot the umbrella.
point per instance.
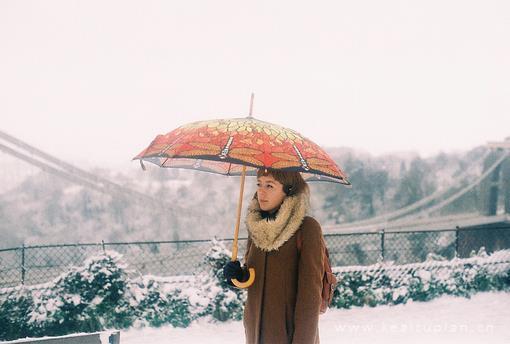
(239, 147)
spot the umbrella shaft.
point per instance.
(238, 220)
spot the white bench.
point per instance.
(106, 337)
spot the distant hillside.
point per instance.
(40, 208)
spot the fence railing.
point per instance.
(30, 265)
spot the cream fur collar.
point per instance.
(269, 235)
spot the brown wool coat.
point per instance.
(284, 301)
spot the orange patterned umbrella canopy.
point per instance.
(224, 146)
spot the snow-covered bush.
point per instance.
(385, 283)
(157, 303)
(225, 302)
(87, 298)
(100, 295)
(15, 309)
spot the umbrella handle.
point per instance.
(236, 234)
(246, 284)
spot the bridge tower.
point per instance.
(497, 183)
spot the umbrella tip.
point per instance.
(251, 105)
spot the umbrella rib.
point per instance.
(171, 145)
(302, 160)
(164, 162)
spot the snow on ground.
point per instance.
(485, 318)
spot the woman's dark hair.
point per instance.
(293, 182)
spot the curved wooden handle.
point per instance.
(246, 284)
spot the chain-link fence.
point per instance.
(30, 265)
(39, 264)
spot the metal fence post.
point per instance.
(381, 257)
(23, 264)
(457, 241)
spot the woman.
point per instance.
(284, 301)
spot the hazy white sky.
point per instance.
(95, 81)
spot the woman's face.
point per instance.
(269, 193)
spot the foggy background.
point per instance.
(403, 94)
